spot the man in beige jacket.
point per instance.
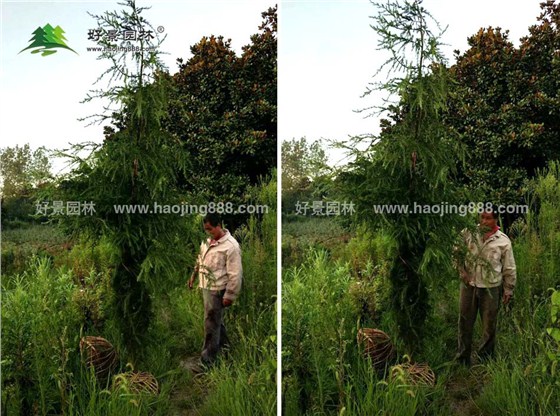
(220, 273)
(487, 273)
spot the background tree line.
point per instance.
(503, 107)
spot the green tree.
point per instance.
(301, 163)
(223, 109)
(22, 169)
(505, 106)
(304, 171)
(23, 172)
(409, 163)
(138, 164)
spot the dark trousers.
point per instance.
(215, 336)
(474, 300)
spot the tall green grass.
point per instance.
(324, 372)
(58, 299)
(525, 379)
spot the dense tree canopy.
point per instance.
(305, 173)
(505, 106)
(222, 108)
(22, 169)
(23, 172)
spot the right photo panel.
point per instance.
(420, 180)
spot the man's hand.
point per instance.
(191, 281)
(506, 298)
(193, 276)
(226, 302)
(465, 277)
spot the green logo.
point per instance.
(46, 39)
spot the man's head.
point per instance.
(488, 218)
(213, 225)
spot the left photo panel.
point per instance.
(138, 184)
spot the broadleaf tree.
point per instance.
(223, 109)
(505, 107)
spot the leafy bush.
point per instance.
(41, 327)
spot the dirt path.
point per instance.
(463, 387)
(188, 396)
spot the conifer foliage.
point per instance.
(412, 161)
(137, 164)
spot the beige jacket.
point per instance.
(490, 263)
(219, 266)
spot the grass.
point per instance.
(56, 299)
(324, 372)
(330, 293)
(19, 244)
(300, 234)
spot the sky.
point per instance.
(327, 57)
(40, 96)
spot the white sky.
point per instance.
(40, 95)
(327, 55)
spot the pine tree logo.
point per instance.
(46, 39)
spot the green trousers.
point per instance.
(474, 301)
(215, 336)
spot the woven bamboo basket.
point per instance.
(99, 354)
(414, 374)
(137, 383)
(377, 345)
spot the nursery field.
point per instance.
(55, 292)
(336, 290)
